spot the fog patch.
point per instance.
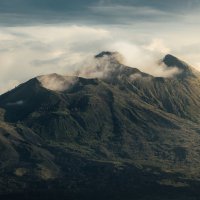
(56, 82)
(100, 66)
(146, 58)
(17, 103)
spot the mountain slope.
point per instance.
(126, 124)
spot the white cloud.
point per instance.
(158, 45)
(31, 51)
(146, 57)
(26, 52)
(56, 82)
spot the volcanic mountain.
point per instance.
(124, 135)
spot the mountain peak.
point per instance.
(105, 53)
(114, 57)
(172, 61)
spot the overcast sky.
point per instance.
(44, 36)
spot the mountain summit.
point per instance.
(105, 53)
(186, 69)
(114, 57)
(172, 61)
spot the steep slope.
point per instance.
(178, 95)
(60, 132)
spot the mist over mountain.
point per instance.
(109, 131)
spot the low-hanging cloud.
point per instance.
(56, 82)
(17, 103)
(147, 58)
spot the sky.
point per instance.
(46, 36)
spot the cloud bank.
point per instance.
(27, 52)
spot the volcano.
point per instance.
(126, 135)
